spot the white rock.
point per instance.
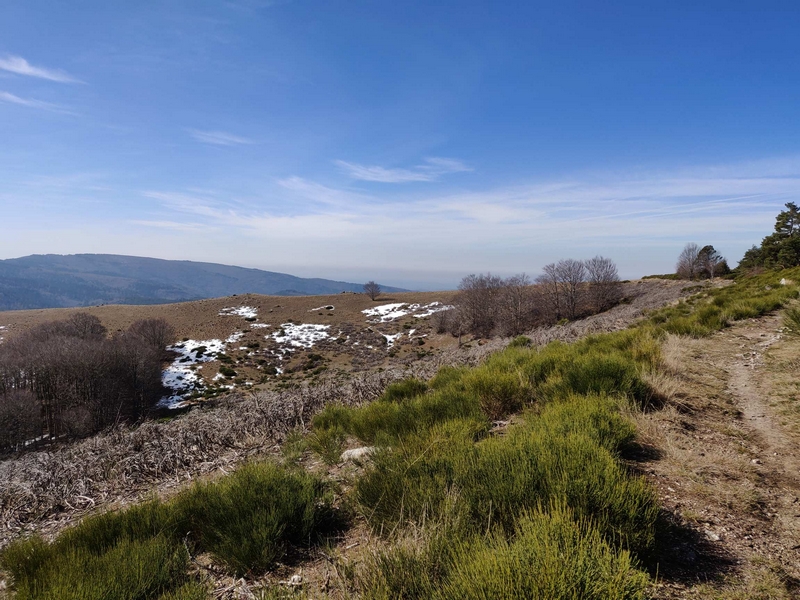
(357, 453)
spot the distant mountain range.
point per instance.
(60, 281)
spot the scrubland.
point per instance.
(515, 473)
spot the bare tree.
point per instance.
(477, 301)
(517, 310)
(688, 265)
(372, 289)
(571, 276)
(605, 288)
(551, 290)
(20, 418)
(155, 333)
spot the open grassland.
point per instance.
(511, 478)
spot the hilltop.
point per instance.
(60, 281)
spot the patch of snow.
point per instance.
(390, 312)
(301, 335)
(432, 308)
(180, 376)
(391, 339)
(326, 307)
(411, 332)
(387, 312)
(259, 325)
(246, 312)
(234, 337)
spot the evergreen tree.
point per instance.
(780, 249)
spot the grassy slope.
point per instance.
(484, 508)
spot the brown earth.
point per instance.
(725, 459)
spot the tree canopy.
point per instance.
(780, 249)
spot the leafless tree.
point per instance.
(82, 381)
(372, 289)
(571, 276)
(517, 310)
(20, 419)
(688, 265)
(552, 295)
(156, 333)
(604, 285)
(477, 301)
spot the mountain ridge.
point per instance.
(74, 280)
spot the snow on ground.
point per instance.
(390, 312)
(431, 308)
(179, 377)
(246, 312)
(301, 335)
(2, 329)
(259, 325)
(391, 339)
(234, 337)
(326, 307)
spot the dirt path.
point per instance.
(728, 464)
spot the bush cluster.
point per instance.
(246, 521)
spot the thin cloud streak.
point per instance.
(31, 103)
(433, 169)
(219, 138)
(20, 66)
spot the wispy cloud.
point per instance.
(20, 66)
(171, 225)
(640, 219)
(31, 103)
(219, 138)
(432, 169)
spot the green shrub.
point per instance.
(413, 481)
(129, 570)
(521, 341)
(246, 519)
(402, 390)
(791, 320)
(328, 444)
(448, 377)
(551, 557)
(567, 453)
(188, 591)
(499, 392)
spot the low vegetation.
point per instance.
(245, 521)
(502, 480)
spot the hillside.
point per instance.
(58, 281)
(676, 415)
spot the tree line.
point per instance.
(488, 305)
(69, 378)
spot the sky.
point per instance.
(407, 142)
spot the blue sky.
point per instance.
(407, 142)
